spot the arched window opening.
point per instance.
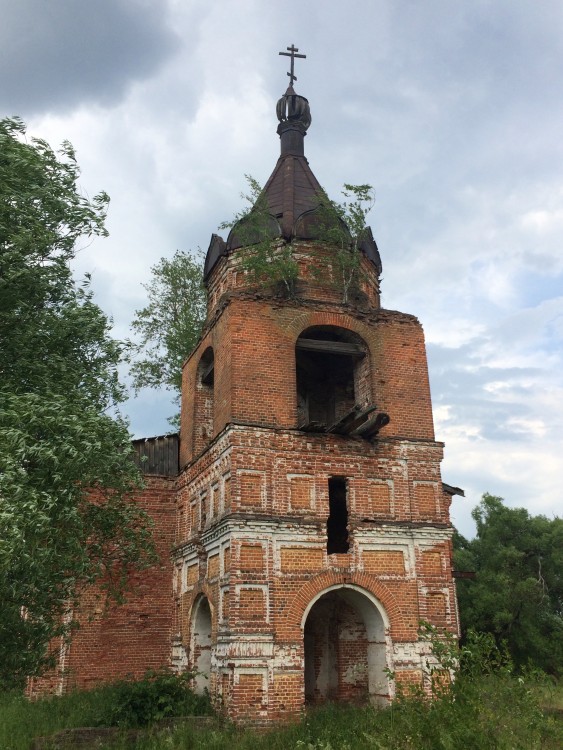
(345, 650)
(334, 385)
(201, 645)
(337, 523)
(204, 401)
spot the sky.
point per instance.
(453, 111)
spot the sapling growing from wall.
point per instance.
(342, 225)
(266, 260)
(270, 262)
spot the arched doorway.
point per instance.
(201, 644)
(345, 648)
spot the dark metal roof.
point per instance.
(217, 248)
(158, 455)
(291, 191)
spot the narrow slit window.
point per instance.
(337, 523)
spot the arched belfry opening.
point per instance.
(333, 384)
(200, 644)
(204, 401)
(345, 649)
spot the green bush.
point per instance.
(159, 695)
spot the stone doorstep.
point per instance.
(91, 738)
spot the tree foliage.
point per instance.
(65, 465)
(517, 594)
(342, 225)
(169, 326)
(267, 260)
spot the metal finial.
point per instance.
(292, 52)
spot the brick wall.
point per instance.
(116, 641)
(267, 549)
(263, 608)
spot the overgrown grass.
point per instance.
(494, 712)
(487, 708)
(124, 704)
(498, 713)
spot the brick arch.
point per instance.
(345, 382)
(188, 601)
(190, 370)
(402, 628)
(309, 318)
(202, 638)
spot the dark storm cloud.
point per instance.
(56, 54)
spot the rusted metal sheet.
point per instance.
(158, 455)
(449, 490)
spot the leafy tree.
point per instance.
(342, 224)
(517, 594)
(170, 325)
(65, 464)
(266, 259)
(269, 261)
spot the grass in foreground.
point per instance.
(498, 713)
(494, 712)
(123, 704)
(487, 708)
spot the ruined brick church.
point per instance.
(300, 515)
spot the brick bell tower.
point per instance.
(313, 526)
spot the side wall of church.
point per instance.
(117, 641)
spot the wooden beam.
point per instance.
(370, 428)
(358, 420)
(313, 426)
(341, 424)
(330, 347)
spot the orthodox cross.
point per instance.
(292, 52)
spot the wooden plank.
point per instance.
(359, 419)
(161, 455)
(313, 427)
(330, 347)
(341, 424)
(373, 425)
